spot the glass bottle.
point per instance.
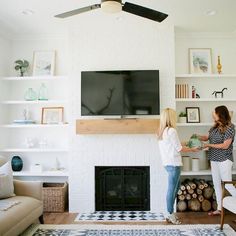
(30, 95)
(43, 92)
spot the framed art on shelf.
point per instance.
(200, 61)
(193, 114)
(44, 63)
(52, 115)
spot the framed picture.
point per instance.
(44, 63)
(200, 61)
(52, 115)
(193, 114)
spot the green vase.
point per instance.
(30, 95)
(43, 93)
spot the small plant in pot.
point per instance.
(22, 66)
(182, 117)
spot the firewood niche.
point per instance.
(196, 195)
(117, 126)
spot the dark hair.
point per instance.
(224, 118)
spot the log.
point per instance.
(181, 197)
(205, 184)
(194, 205)
(184, 192)
(198, 191)
(180, 192)
(208, 192)
(188, 196)
(181, 206)
(194, 195)
(182, 187)
(200, 198)
(206, 205)
(191, 184)
(199, 184)
(214, 205)
(190, 191)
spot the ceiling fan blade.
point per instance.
(78, 11)
(144, 12)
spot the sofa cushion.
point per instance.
(28, 207)
(230, 203)
(6, 181)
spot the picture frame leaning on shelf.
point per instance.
(44, 63)
(52, 115)
(193, 114)
(200, 61)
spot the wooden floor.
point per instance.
(186, 218)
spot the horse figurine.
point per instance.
(219, 92)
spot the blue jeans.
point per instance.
(173, 186)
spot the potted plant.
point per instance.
(22, 66)
(182, 117)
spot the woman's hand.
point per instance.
(195, 149)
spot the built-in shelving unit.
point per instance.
(14, 135)
(199, 173)
(43, 173)
(191, 76)
(205, 100)
(205, 85)
(20, 150)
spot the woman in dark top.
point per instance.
(221, 138)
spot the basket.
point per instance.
(55, 197)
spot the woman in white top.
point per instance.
(170, 148)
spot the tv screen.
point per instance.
(120, 93)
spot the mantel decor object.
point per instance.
(52, 115)
(193, 114)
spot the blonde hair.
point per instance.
(167, 120)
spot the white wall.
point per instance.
(5, 52)
(114, 45)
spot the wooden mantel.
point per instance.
(117, 126)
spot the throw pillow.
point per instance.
(6, 181)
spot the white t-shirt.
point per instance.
(170, 148)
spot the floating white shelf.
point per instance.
(205, 99)
(19, 102)
(193, 124)
(201, 172)
(182, 76)
(35, 126)
(43, 173)
(35, 78)
(34, 150)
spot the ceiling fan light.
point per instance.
(111, 6)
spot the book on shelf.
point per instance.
(181, 91)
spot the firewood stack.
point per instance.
(196, 195)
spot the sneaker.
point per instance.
(172, 219)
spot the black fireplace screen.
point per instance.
(122, 188)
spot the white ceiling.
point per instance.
(186, 15)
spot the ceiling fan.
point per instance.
(113, 6)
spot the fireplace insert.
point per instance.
(122, 188)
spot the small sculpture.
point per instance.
(219, 92)
(219, 66)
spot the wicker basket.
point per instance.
(55, 197)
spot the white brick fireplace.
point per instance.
(137, 44)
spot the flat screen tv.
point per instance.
(120, 93)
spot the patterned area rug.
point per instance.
(120, 216)
(118, 230)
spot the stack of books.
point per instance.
(181, 91)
